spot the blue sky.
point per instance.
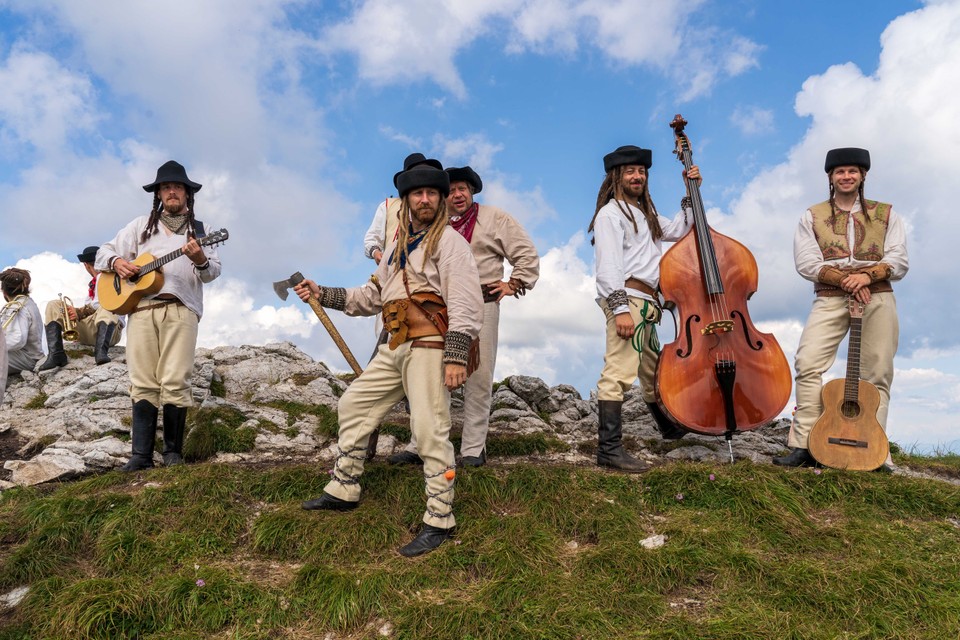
(295, 116)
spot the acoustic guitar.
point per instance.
(121, 295)
(848, 434)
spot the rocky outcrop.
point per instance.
(274, 403)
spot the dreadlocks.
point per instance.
(157, 211)
(863, 202)
(15, 282)
(433, 234)
(612, 189)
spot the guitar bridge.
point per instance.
(848, 442)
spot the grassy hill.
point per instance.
(224, 551)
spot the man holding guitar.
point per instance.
(848, 247)
(162, 330)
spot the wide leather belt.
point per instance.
(829, 291)
(405, 321)
(638, 285)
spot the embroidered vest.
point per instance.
(870, 231)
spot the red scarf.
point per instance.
(465, 223)
(92, 290)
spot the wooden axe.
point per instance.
(281, 289)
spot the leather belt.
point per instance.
(829, 291)
(643, 287)
(163, 302)
(426, 344)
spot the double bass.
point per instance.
(721, 375)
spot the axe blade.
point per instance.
(281, 287)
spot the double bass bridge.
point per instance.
(717, 326)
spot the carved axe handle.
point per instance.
(328, 325)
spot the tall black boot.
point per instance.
(143, 433)
(610, 452)
(174, 422)
(56, 356)
(667, 427)
(104, 336)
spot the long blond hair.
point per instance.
(433, 235)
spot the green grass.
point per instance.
(218, 429)
(752, 551)
(37, 401)
(327, 424)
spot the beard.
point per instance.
(425, 215)
(174, 207)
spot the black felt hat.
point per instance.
(466, 174)
(172, 171)
(845, 157)
(415, 160)
(423, 177)
(89, 254)
(628, 154)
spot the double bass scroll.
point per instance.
(720, 375)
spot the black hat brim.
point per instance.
(468, 175)
(628, 155)
(421, 177)
(847, 157)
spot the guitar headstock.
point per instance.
(855, 306)
(217, 237)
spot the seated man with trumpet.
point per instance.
(90, 325)
(20, 321)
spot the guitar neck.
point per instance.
(851, 387)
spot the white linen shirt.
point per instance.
(623, 253)
(181, 278)
(809, 258)
(25, 331)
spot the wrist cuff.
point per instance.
(333, 298)
(456, 348)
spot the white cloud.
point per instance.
(654, 33)
(752, 120)
(42, 103)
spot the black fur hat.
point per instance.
(466, 174)
(628, 154)
(423, 176)
(415, 160)
(847, 156)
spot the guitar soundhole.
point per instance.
(850, 410)
(133, 279)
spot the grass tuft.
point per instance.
(37, 401)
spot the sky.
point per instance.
(295, 115)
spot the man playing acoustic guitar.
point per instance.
(847, 246)
(162, 331)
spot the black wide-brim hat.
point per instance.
(415, 160)
(847, 157)
(628, 154)
(172, 171)
(465, 174)
(423, 177)
(89, 254)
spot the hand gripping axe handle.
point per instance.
(281, 290)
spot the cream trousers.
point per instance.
(826, 328)
(418, 373)
(620, 362)
(160, 347)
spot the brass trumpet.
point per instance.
(70, 332)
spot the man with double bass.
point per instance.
(847, 246)
(628, 237)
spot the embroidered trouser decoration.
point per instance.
(339, 475)
(438, 495)
(653, 339)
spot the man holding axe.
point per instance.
(426, 289)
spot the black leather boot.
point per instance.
(610, 452)
(104, 336)
(427, 540)
(796, 458)
(143, 433)
(174, 423)
(56, 356)
(328, 502)
(667, 427)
